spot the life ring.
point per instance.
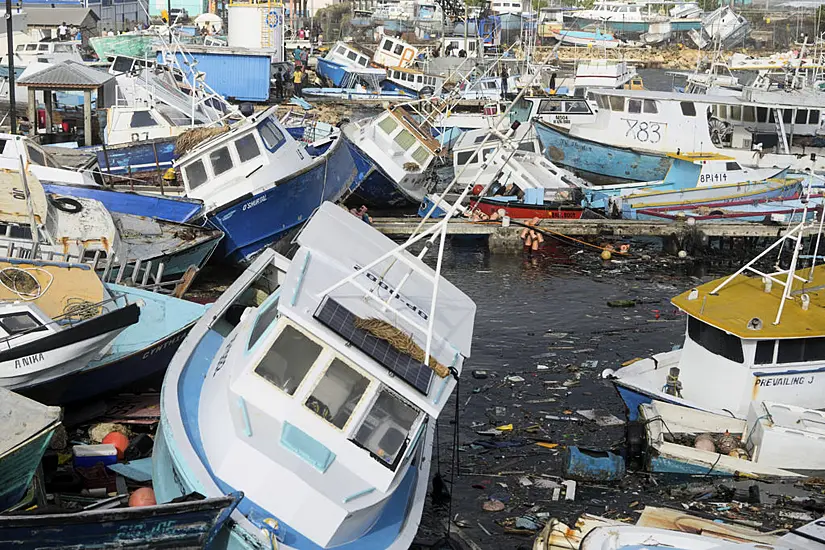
(66, 204)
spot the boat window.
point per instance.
(221, 161)
(341, 50)
(650, 107)
(247, 147)
(761, 114)
(749, 114)
(801, 116)
(195, 174)
(338, 393)
(398, 49)
(577, 107)
(264, 320)
(715, 341)
(23, 321)
(688, 108)
(722, 111)
(421, 155)
(386, 428)
(142, 119)
(527, 146)
(634, 106)
(43, 48)
(31, 47)
(616, 103)
(764, 352)
(271, 134)
(363, 61)
(798, 350)
(14, 231)
(419, 79)
(288, 360)
(813, 118)
(387, 45)
(20, 47)
(550, 106)
(388, 125)
(601, 101)
(405, 139)
(463, 157)
(36, 156)
(732, 166)
(352, 56)
(735, 112)
(62, 48)
(787, 115)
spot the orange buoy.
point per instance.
(144, 496)
(477, 189)
(120, 442)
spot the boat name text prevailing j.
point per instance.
(381, 284)
(786, 381)
(28, 361)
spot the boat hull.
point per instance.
(377, 190)
(17, 468)
(122, 159)
(331, 71)
(190, 524)
(529, 211)
(605, 161)
(173, 209)
(253, 222)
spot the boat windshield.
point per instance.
(385, 432)
(716, 341)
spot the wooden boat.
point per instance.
(25, 432)
(330, 411)
(192, 523)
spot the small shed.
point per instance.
(69, 76)
(48, 19)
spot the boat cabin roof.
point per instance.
(13, 207)
(701, 158)
(333, 246)
(66, 284)
(407, 120)
(744, 299)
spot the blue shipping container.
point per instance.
(244, 77)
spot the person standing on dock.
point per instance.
(504, 77)
(63, 32)
(297, 80)
(305, 57)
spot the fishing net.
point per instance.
(399, 340)
(192, 138)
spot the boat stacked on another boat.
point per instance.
(320, 402)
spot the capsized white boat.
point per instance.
(320, 403)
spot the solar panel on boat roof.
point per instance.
(341, 320)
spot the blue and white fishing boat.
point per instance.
(634, 131)
(414, 82)
(25, 432)
(192, 523)
(360, 84)
(308, 403)
(333, 66)
(258, 183)
(398, 152)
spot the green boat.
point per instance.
(131, 45)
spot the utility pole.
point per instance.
(10, 38)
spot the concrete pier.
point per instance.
(677, 235)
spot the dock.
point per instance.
(674, 233)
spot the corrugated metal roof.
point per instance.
(67, 74)
(53, 17)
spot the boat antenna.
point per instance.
(794, 236)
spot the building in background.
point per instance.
(114, 15)
(44, 21)
(190, 8)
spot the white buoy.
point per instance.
(682, 254)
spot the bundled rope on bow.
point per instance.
(401, 341)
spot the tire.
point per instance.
(66, 204)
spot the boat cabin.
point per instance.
(254, 153)
(451, 46)
(604, 73)
(48, 52)
(394, 52)
(311, 395)
(415, 81)
(343, 54)
(507, 6)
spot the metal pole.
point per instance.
(10, 38)
(168, 18)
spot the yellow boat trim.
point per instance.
(695, 157)
(744, 299)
